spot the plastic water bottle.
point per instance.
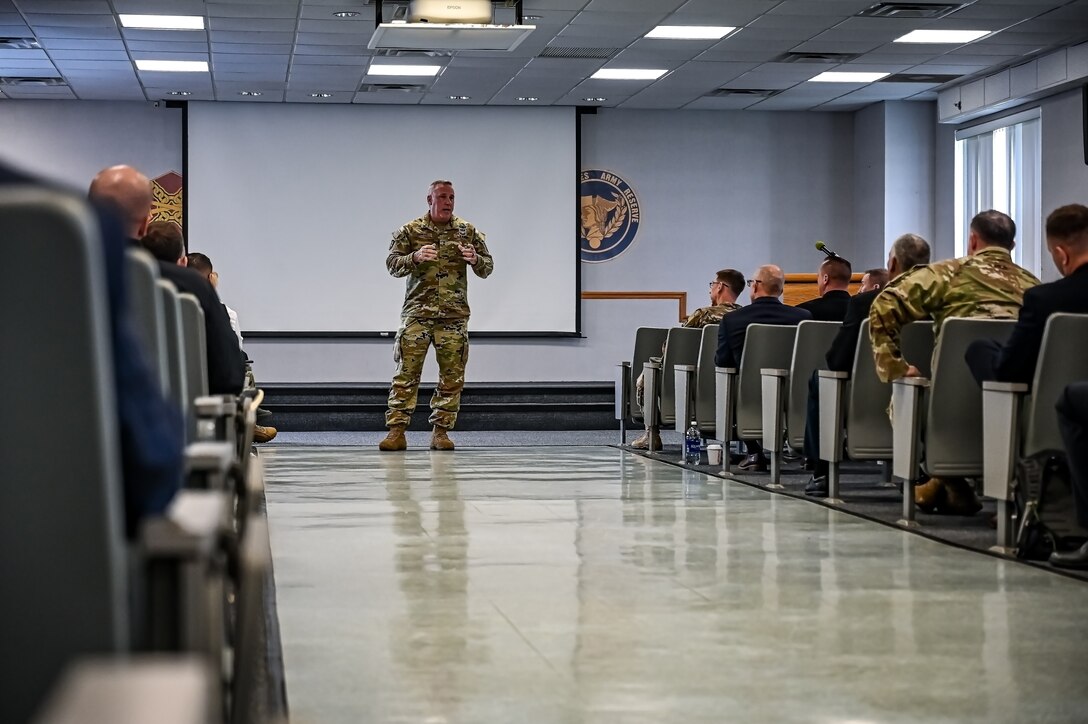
(692, 442)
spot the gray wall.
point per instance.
(1065, 175)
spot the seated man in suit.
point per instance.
(724, 290)
(907, 252)
(767, 285)
(874, 280)
(1067, 240)
(833, 284)
(128, 190)
(1073, 423)
(986, 283)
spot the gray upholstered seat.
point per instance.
(809, 354)
(681, 348)
(175, 344)
(765, 346)
(648, 343)
(1020, 420)
(147, 311)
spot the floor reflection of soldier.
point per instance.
(431, 642)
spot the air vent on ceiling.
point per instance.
(19, 44)
(815, 58)
(934, 78)
(553, 51)
(402, 53)
(749, 92)
(23, 81)
(391, 88)
(910, 10)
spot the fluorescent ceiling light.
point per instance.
(951, 37)
(847, 77)
(174, 66)
(417, 70)
(690, 32)
(163, 22)
(628, 74)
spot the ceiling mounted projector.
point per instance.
(448, 25)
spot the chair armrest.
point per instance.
(624, 364)
(912, 381)
(1019, 388)
(773, 372)
(207, 465)
(832, 375)
(163, 689)
(726, 370)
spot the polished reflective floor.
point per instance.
(593, 585)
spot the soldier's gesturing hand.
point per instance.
(425, 253)
(468, 253)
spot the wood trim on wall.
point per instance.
(802, 287)
(680, 297)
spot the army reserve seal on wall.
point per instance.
(609, 216)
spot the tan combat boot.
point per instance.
(394, 440)
(440, 440)
(643, 443)
(930, 495)
(960, 498)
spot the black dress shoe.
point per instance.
(1073, 559)
(755, 464)
(817, 486)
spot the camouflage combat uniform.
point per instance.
(435, 312)
(987, 284)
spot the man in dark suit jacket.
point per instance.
(907, 252)
(128, 190)
(151, 436)
(1067, 240)
(833, 283)
(767, 286)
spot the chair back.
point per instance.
(147, 312)
(765, 345)
(809, 354)
(648, 343)
(917, 344)
(705, 381)
(1063, 358)
(953, 435)
(175, 345)
(196, 346)
(61, 512)
(681, 348)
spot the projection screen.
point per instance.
(296, 205)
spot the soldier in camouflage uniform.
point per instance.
(986, 283)
(724, 290)
(433, 252)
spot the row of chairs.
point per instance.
(942, 425)
(94, 624)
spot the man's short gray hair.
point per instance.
(772, 279)
(910, 250)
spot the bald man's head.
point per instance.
(128, 193)
(771, 282)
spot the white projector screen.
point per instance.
(296, 205)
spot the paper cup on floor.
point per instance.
(714, 454)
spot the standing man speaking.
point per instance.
(433, 252)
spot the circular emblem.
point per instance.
(608, 216)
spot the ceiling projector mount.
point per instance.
(449, 25)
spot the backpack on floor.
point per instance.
(1044, 499)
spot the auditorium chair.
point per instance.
(785, 389)
(942, 416)
(856, 404)
(694, 385)
(648, 343)
(739, 391)
(1019, 420)
(72, 585)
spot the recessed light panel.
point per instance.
(628, 74)
(833, 76)
(412, 70)
(163, 22)
(690, 32)
(173, 66)
(949, 37)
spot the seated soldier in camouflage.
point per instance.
(724, 290)
(435, 252)
(986, 283)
